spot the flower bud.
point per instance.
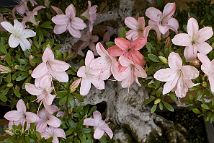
(74, 85)
(4, 69)
(163, 59)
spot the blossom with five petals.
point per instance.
(18, 35)
(207, 67)
(89, 75)
(99, 125)
(127, 72)
(54, 133)
(194, 40)
(163, 21)
(178, 78)
(42, 91)
(138, 28)
(46, 119)
(30, 16)
(21, 116)
(91, 15)
(129, 49)
(68, 21)
(51, 67)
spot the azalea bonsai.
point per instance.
(49, 83)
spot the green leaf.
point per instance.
(153, 58)
(153, 109)
(147, 101)
(47, 25)
(168, 106)
(122, 32)
(196, 110)
(110, 43)
(149, 47)
(204, 106)
(160, 106)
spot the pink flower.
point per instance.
(178, 78)
(129, 49)
(42, 91)
(103, 63)
(138, 29)
(46, 119)
(51, 67)
(69, 22)
(21, 116)
(18, 35)
(30, 16)
(99, 125)
(91, 14)
(194, 40)
(22, 8)
(89, 75)
(163, 21)
(88, 41)
(127, 72)
(207, 67)
(54, 133)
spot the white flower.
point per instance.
(18, 35)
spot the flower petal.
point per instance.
(20, 106)
(97, 116)
(98, 133)
(137, 58)
(74, 32)
(163, 29)
(27, 33)
(101, 50)
(60, 76)
(154, 14)
(107, 130)
(13, 116)
(169, 9)
(85, 87)
(48, 55)
(165, 75)
(7, 26)
(169, 85)
(204, 34)
(131, 23)
(139, 43)
(89, 57)
(173, 24)
(181, 39)
(49, 99)
(60, 19)
(132, 35)
(204, 48)
(89, 122)
(206, 64)
(190, 53)
(78, 23)
(115, 51)
(40, 71)
(31, 117)
(59, 29)
(81, 72)
(211, 81)
(59, 133)
(189, 72)
(25, 44)
(13, 41)
(122, 43)
(70, 11)
(174, 61)
(181, 89)
(59, 66)
(99, 84)
(53, 121)
(192, 27)
(32, 89)
(18, 26)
